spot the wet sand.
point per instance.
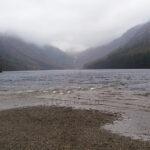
(133, 106)
(59, 128)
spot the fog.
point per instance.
(72, 25)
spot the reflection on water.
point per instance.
(123, 91)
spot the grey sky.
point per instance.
(72, 24)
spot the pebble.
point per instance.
(68, 92)
(92, 88)
(54, 92)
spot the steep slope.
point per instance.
(134, 54)
(93, 54)
(15, 54)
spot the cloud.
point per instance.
(71, 24)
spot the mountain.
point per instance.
(16, 54)
(93, 54)
(134, 53)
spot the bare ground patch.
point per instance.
(54, 128)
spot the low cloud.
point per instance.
(72, 25)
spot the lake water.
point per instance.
(122, 91)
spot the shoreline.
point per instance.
(134, 108)
(43, 127)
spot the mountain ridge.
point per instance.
(99, 52)
(134, 54)
(16, 54)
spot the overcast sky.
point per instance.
(72, 25)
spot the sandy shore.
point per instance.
(59, 128)
(133, 106)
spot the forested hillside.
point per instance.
(134, 54)
(16, 54)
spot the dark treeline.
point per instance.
(135, 57)
(134, 54)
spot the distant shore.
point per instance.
(43, 128)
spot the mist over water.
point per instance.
(71, 25)
(44, 35)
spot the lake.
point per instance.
(121, 91)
